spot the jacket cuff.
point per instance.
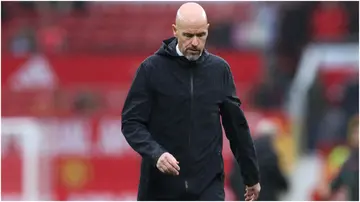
(252, 182)
(155, 157)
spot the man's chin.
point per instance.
(192, 57)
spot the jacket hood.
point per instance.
(168, 49)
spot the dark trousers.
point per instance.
(213, 192)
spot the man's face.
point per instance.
(191, 39)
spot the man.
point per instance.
(347, 179)
(171, 117)
(273, 180)
(344, 184)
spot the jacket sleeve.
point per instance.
(135, 117)
(238, 133)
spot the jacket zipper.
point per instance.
(191, 109)
(191, 102)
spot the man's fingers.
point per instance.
(250, 195)
(173, 162)
(247, 197)
(252, 192)
(168, 164)
(170, 169)
(161, 166)
(250, 198)
(165, 170)
(175, 165)
(161, 169)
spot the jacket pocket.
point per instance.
(221, 162)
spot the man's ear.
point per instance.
(174, 29)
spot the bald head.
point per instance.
(191, 30)
(190, 14)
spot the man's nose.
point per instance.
(195, 41)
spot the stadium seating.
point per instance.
(128, 24)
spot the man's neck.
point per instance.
(178, 50)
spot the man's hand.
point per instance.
(168, 164)
(252, 193)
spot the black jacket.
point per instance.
(174, 105)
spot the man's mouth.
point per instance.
(193, 51)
